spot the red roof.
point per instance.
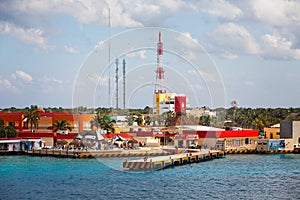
(34, 135)
(224, 134)
(238, 133)
(163, 135)
(111, 135)
(66, 136)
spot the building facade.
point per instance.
(78, 122)
(272, 132)
(165, 102)
(291, 130)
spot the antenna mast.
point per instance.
(159, 70)
(117, 83)
(124, 63)
(109, 92)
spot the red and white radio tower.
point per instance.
(159, 70)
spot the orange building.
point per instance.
(78, 122)
(272, 132)
(14, 119)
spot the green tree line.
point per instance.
(260, 117)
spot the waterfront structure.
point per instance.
(20, 144)
(267, 145)
(221, 139)
(290, 130)
(189, 134)
(78, 122)
(272, 132)
(14, 119)
(162, 162)
(49, 139)
(186, 140)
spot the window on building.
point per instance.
(236, 142)
(180, 143)
(271, 135)
(76, 126)
(11, 124)
(86, 125)
(247, 141)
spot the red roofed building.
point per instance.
(232, 139)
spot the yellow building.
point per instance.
(272, 132)
(160, 97)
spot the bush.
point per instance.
(8, 131)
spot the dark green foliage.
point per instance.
(260, 117)
(168, 117)
(204, 120)
(1, 123)
(148, 120)
(31, 116)
(8, 131)
(104, 122)
(62, 125)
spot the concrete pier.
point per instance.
(161, 162)
(96, 153)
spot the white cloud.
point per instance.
(234, 39)
(219, 8)
(229, 56)
(186, 40)
(22, 76)
(5, 84)
(29, 20)
(30, 35)
(277, 12)
(48, 79)
(71, 50)
(276, 46)
(141, 54)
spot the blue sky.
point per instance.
(252, 48)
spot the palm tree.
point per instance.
(61, 125)
(258, 124)
(31, 116)
(148, 120)
(104, 122)
(204, 120)
(168, 116)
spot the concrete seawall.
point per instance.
(254, 151)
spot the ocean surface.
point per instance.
(232, 177)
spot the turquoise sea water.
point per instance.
(233, 177)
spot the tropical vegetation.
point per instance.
(260, 117)
(31, 116)
(104, 122)
(7, 131)
(256, 118)
(62, 125)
